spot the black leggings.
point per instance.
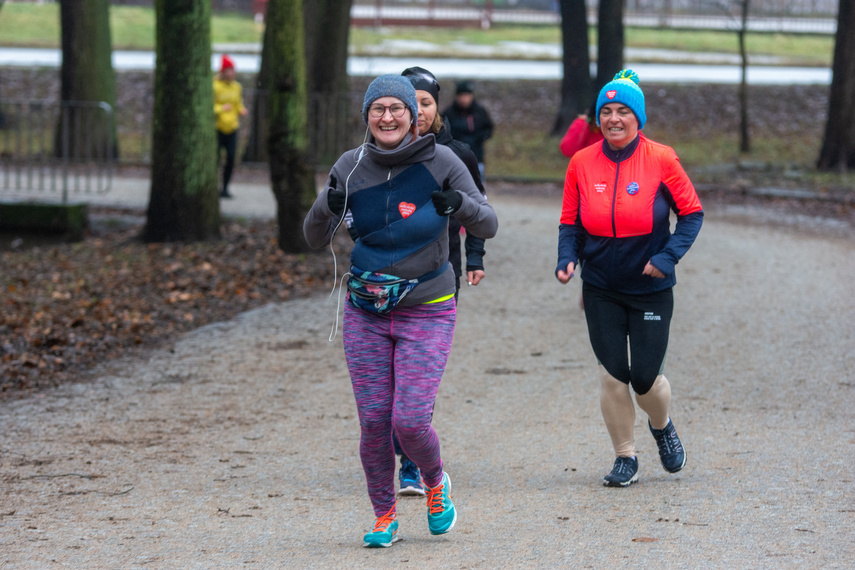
(644, 320)
(228, 142)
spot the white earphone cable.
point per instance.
(337, 282)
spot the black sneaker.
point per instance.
(624, 473)
(670, 449)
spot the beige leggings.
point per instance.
(619, 410)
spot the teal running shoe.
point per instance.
(385, 531)
(441, 513)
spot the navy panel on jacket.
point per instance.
(406, 223)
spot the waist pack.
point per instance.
(380, 292)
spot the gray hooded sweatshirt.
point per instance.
(389, 196)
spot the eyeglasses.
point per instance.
(397, 110)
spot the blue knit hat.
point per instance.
(624, 89)
(391, 86)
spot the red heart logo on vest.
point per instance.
(611, 94)
(406, 209)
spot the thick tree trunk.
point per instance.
(838, 145)
(744, 136)
(576, 85)
(327, 33)
(327, 38)
(2, 116)
(86, 130)
(291, 176)
(256, 144)
(183, 203)
(610, 41)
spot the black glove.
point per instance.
(336, 198)
(446, 201)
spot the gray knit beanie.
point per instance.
(391, 86)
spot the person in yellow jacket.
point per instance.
(228, 108)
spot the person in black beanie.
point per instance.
(430, 121)
(469, 121)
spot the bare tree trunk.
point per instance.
(838, 145)
(256, 144)
(744, 136)
(610, 41)
(291, 176)
(576, 84)
(86, 131)
(2, 116)
(327, 38)
(183, 202)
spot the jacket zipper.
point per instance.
(388, 213)
(614, 222)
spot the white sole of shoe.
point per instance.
(382, 544)
(411, 492)
(451, 526)
(627, 484)
(685, 457)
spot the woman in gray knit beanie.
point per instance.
(401, 189)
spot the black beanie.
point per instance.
(465, 87)
(423, 80)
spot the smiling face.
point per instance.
(427, 111)
(619, 125)
(387, 129)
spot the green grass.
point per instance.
(798, 49)
(809, 49)
(37, 25)
(524, 154)
(525, 150)
(360, 37)
(29, 25)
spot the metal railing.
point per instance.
(56, 150)
(773, 16)
(70, 150)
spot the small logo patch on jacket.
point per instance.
(600, 186)
(632, 188)
(406, 208)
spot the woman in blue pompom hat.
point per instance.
(401, 190)
(615, 225)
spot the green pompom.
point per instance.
(627, 74)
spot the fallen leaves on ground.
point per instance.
(66, 307)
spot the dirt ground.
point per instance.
(236, 446)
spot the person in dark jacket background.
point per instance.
(469, 121)
(615, 219)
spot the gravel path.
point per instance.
(236, 446)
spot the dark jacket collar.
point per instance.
(444, 135)
(410, 151)
(622, 154)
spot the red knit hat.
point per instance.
(227, 63)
